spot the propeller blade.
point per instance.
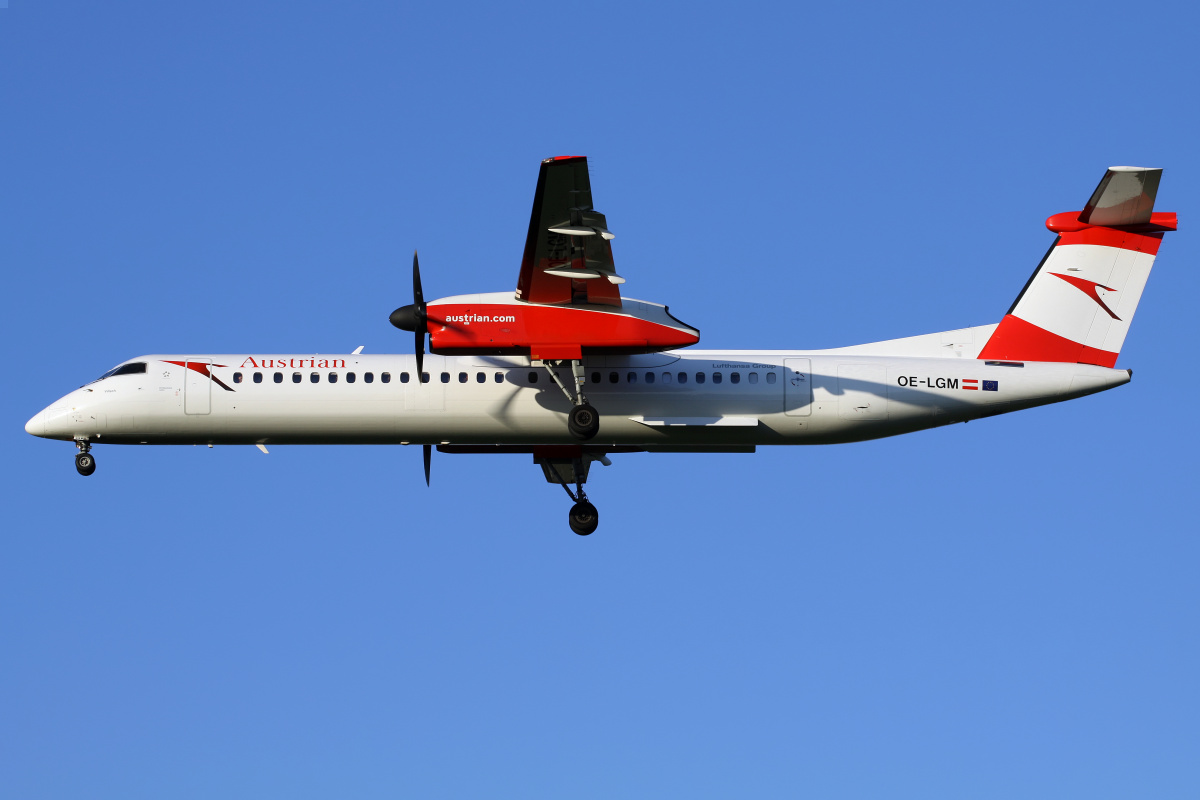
(421, 330)
(419, 349)
(418, 295)
(427, 452)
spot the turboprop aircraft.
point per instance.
(567, 370)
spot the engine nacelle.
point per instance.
(499, 324)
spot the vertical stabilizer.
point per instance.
(1078, 305)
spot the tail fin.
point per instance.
(1078, 305)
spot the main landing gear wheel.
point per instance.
(583, 423)
(85, 464)
(584, 518)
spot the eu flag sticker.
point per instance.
(991, 386)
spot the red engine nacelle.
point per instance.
(498, 324)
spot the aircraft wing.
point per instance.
(568, 257)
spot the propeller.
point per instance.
(413, 318)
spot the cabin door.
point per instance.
(197, 387)
(797, 387)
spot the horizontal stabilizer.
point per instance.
(1125, 196)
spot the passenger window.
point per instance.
(333, 377)
(385, 377)
(666, 377)
(480, 377)
(770, 377)
(649, 377)
(424, 377)
(754, 377)
(533, 377)
(369, 377)
(237, 377)
(595, 377)
(613, 377)
(699, 377)
(499, 377)
(683, 377)
(349, 377)
(462, 377)
(403, 377)
(445, 377)
(735, 377)
(258, 377)
(716, 377)
(315, 377)
(279, 377)
(295, 377)
(631, 377)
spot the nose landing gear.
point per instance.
(583, 518)
(85, 462)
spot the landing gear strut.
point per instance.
(85, 462)
(584, 421)
(584, 518)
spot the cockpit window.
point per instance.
(137, 368)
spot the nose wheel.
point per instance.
(85, 462)
(583, 518)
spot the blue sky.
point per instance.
(1006, 608)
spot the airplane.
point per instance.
(569, 371)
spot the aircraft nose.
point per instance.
(37, 424)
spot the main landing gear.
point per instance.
(584, 421)
(85, 462)
(584, 518)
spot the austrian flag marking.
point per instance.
(971, 384)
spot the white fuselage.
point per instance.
(687, 399)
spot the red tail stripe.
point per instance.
(1111, 237)
(1018, 340)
